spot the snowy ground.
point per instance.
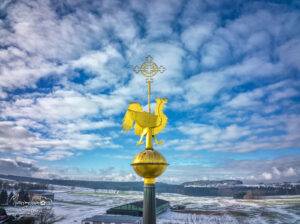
(74, 205)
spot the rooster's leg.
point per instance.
(140, 142)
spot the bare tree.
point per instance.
(45, 216)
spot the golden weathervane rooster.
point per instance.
(146, 123)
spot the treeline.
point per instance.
(166, 188)
(202, 183)
(233, 191)
(8, 185)
(12, 197)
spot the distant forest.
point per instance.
(231, 190)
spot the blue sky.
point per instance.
(232, 81)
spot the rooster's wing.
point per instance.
(128, 119)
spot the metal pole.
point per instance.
(149, 140)
(149, 206)
(149, 93)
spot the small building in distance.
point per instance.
(39, 195)
(136, 208)
(116, 219)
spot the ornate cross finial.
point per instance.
(149, 68)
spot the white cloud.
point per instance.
(63, 172)
(289, 53)
(87, 125)
(61, 104)
(18, 166)
(290, 172)
(194, 36)
(276, 171)
(55, 155)
(267, 176)
(254, 67)
(2, 94)
(56, 139)
(233, 132)
(258, 41)
(106, 68)
(215, 53)
(248, 99)
(284, 94)
(42, 43)
(159, 20)
(258, 133)
(95, 61)
(104, 174)
(276, 174)
(14, 137)
(247, 170)
(202, 88)
(211, 133)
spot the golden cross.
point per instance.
(149, 69)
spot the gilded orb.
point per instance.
(149, 164)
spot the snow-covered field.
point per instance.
(73, 205)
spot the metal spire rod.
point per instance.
(149, 95)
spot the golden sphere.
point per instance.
(149, 163)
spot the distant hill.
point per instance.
(228, 188)
(212, 183)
